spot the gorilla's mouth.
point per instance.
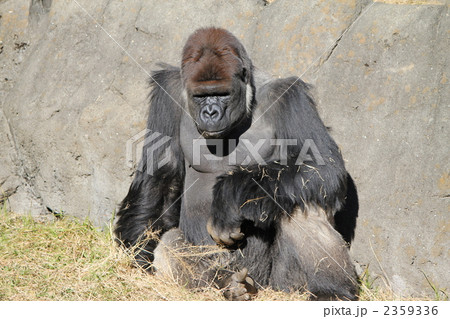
(212, 134)
(231, 131)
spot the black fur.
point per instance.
(294, 116)
(267, 203)
(153, 201)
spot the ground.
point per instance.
(69, 259)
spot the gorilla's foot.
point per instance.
(239, 286)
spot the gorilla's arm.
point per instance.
(261, 193)
(151, 202)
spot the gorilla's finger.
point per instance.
(250, 286)
(212, 232)
(214, 236)
(226, 240)
(237, 236)
(240, 275)
(243, 297)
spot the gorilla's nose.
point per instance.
(211, 113)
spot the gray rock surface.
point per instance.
(73, 89)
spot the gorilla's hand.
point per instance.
(225, 222)
(226, 235)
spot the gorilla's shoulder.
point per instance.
(280, 86)
(283, 92)
(165, 75)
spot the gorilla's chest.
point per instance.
(255, 146)
(205, 160)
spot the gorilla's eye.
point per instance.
(225, 98)
(244, 73)
(199, 98)
(208, 99)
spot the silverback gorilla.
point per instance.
(235, 158)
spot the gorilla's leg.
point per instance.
(200, 266)
(310, 255)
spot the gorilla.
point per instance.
(240, 184)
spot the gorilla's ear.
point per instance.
(247, 70)
(245, 75)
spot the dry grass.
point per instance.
(71, 260)
(67, 259)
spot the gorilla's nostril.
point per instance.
(211, 112)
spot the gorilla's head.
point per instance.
(218, 81)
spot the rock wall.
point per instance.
(73, 91)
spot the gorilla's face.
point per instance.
(217, 112)
(217, 80)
